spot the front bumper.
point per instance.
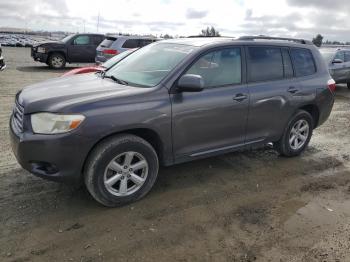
(2, 63)
(57, 158)
(41, 57)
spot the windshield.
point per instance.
(150, 65)
(115, 59)
(67, 38)
(327, 55)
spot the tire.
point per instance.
(115, 152)
(56, 61)
(348, 84)
(290, 149)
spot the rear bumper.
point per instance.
(57, 158)
(325, 102)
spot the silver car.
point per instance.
(113, 45)
(338, 61)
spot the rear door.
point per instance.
(213, 120)
(273, 93)
(82, 49)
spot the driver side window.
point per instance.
(340, 55)
(219, 68)
(82, 40)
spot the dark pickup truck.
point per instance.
(77, 48)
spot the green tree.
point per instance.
(210, 31)
(318, 40)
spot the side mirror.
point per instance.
(190, 83)
(337, 61)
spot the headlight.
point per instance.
(49, 123)
(41, 49)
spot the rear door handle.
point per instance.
(292, 90)
(240, 97)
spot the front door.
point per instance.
(215, 119)
(82, 50)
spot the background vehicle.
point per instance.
(113, 45)
(103, 67)
(338, 61)
(170, 102)
(78, 48)
(2, 62)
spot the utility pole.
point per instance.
(98, 21)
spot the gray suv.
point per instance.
(113, 45)
(338, 61)
(170, 102)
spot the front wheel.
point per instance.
(56, 61)
(121, 170)
(297, 135)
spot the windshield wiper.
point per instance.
(117, 80)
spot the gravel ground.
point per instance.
(251, 206)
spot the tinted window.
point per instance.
(347, 56)
(144, 42)
(96, 40)
(131, 43)
(303, 62)
(82, 40)
(287, 63)
(219, 68)
(265, 63)
(108, 42)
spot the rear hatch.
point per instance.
(105, 46)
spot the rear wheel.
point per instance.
(56, 61)
(121, 170)
(296, 136)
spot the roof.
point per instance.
(202, 41)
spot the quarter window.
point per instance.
(303, 62)
(219, 68)
(265, 64)
(82, 40)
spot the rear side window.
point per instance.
(219, 68)
(347, 56)
(287, 64)
(108, 42)
(96, 39)
(265, 64)
(303, 62)
(144, 42)
(131, 43)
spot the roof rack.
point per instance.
(301, 41)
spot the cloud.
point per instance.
(195, 14)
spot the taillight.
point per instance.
(110, 51)
(331, 85)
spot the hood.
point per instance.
(47, 43)
(60, 94)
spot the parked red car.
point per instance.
(103, 67)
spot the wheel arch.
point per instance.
(313, 111)
(147, 134)
(50, 53)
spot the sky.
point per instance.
(288, 18)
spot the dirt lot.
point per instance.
(252, 206)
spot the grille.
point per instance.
(17, 117)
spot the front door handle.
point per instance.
(292, 90)
(240, 97)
